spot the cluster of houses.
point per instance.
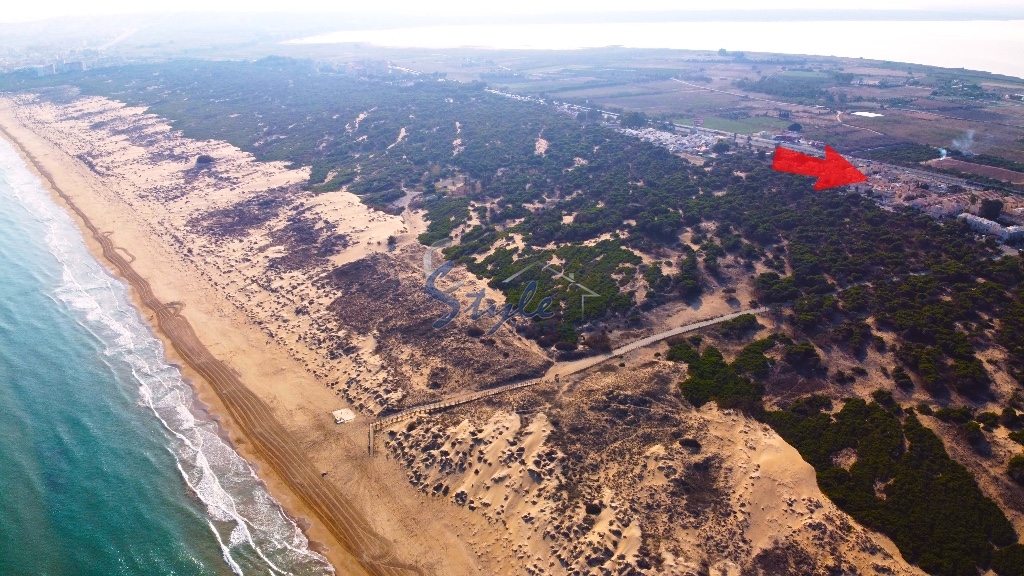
(692, 142)
(52, 68)
(1005, 233)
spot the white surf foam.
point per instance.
(249, 525)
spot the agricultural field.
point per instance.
(920, 104)
(746, 125)
(979, 169)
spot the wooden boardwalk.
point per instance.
(565, 369)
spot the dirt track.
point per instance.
(272, 442)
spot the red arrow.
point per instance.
(833, 171)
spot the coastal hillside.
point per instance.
(475, 272)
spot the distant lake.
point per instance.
(991, 46)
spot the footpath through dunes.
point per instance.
(268, 437)
(555, 373)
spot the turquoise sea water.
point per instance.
(107, 463)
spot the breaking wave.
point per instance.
(254, 533)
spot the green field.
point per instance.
(746, 125)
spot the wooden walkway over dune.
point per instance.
(556, 372)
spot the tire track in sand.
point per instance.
(271, 441)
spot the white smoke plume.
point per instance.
(964, 143)
(942, 153)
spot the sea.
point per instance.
(986, 45)
(108, 463)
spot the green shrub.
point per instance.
(901, 378)
(633, 120)
(884, 399)
(802, 356)
(843, 378)
(752, 362)
(988, 419)
(445, 215)
(1009, 561)
(1018, 437)
(960, 415)
(739, 326)
(711, 378)
(1009, 418)
(1016, 469)
(682, 352)
(972, 432)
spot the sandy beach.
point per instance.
(281, 306)
(380, 501)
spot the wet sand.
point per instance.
(273, 411)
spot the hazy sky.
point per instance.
(25, 10)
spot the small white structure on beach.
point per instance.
(343, 415)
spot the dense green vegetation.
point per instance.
(989, 160)
(990, 209)
(739, 326)
(347, 129)
(898, 478)
(730, 385)
(919, 274)
(444, 215)
(908, 154)
(596, 198)
(1009, 561)
(633, 120)
(601, 269)
(800, 86)
(931, 284)
(940, 293)
(901, 483)
(711, 378)
(850, 259)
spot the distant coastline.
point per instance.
(984, 45)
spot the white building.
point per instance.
(1006, 234)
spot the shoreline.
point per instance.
(333, 526)
(441, 537)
